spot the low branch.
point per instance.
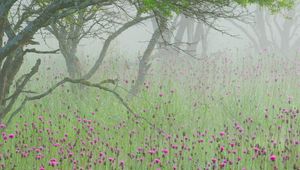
(89, 84)
(33, 50)
(20, 87)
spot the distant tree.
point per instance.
(90, 23)
(274, 32)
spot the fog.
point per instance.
(117, 87)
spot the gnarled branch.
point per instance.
(89, 84)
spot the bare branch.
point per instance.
(20, 87)
(109, 40)
(33, 50)
(89, 84)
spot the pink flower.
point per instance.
(214, 160)
(25, 154)
(273, 157)
(165, 151)
(157, 161)
(152, 151)
(222, 134)
(3, 134)
(39, 156)
(122, 163)
(42, 168)
(111, 159)
(174, 146)
(222, 148)
(56, 144)
(222, 165)
(140, 149)
(101, 154)
(256, 149)
(200, 141)
(2, 126)
(11, 136)
(5, 138)
(161, 94)
(53, 162)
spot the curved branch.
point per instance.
(20, 88)
(89, 84)
(108, 41)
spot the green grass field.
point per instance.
(235, 113)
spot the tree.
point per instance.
(204, 12)
(19, 33)
(277, 33)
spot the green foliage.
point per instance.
(167, 7)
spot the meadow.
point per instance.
(227, 111)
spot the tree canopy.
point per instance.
(167, 7)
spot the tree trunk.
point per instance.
(261, 29)
(144, 64)
(8, 72)
(68, 50)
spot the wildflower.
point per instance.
(152, 151)
(2, 126)
(222, 134)
(273, 157)
(5, 138)
(56, 144)
(223, 164)
(111, 159)
(53, 162)
(165, 151)
(174, 146)
(157, 161)
(101, 154)
(39, 156)
(122, 163)
(222, 148)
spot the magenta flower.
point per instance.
(152, 151)
(273, 157)
(53, 162)
(214, 160)
(165, 151)
(56, 144)
(157, 161)
(2, 126)
(122, 163)
(101, 154)
(39, 156)
(5, 138)
(222, 134)
(111, 159)
(222, 165)
(42, 168)
(222, 148)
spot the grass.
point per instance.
(246, 106)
